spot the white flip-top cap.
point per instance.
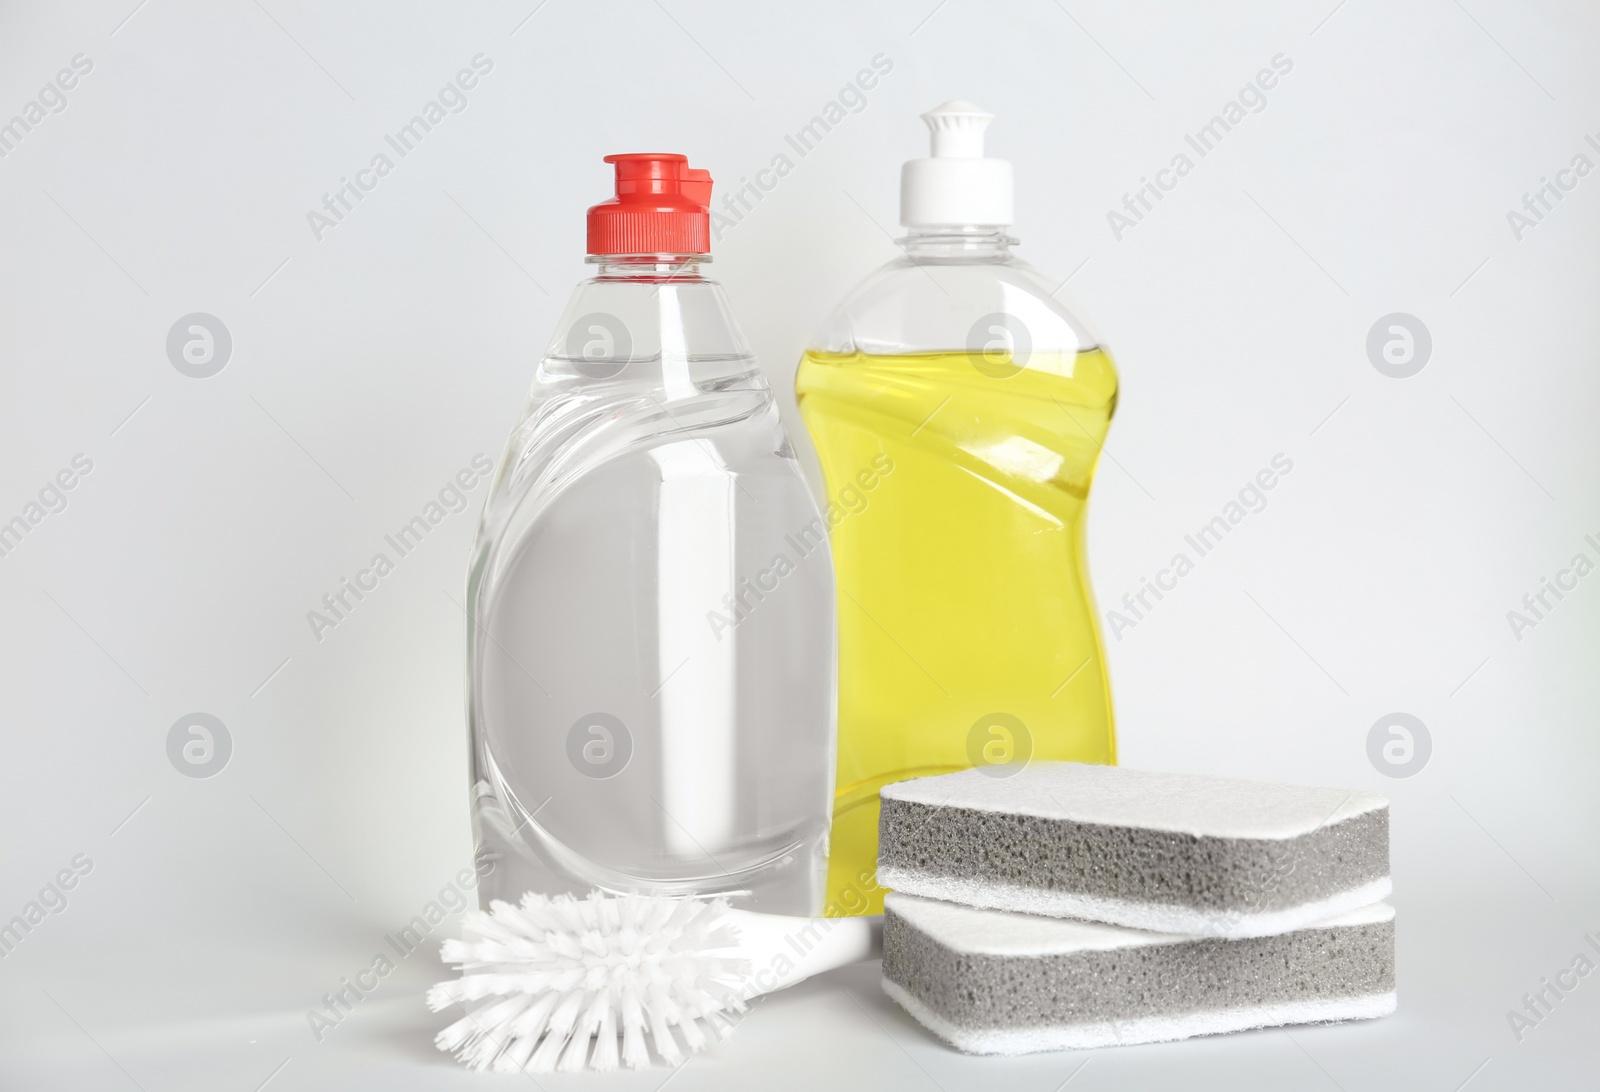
(957, 185)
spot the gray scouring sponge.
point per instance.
(993, 982)
(1173, 853)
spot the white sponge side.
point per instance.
(962, 928)
(1166, 918)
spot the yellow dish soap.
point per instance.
(958, 410)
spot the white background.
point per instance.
(369, 366)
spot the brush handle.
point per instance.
(785, 950)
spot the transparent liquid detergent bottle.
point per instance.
(967, 633)
(651, 640)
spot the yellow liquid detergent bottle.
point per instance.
(958, 411)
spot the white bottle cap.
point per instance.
(957, 185)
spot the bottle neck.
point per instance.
(967, 243)
(649, 268)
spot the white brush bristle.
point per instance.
(571, 984)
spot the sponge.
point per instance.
(1173, 853)
(993, 982)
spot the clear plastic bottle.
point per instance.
(967, 632)
(651, 640)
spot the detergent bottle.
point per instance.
(651, 600)
(975, 403)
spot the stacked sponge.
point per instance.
(1068, 905)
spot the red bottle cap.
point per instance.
(660, 208)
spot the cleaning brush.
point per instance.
(559, 975)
